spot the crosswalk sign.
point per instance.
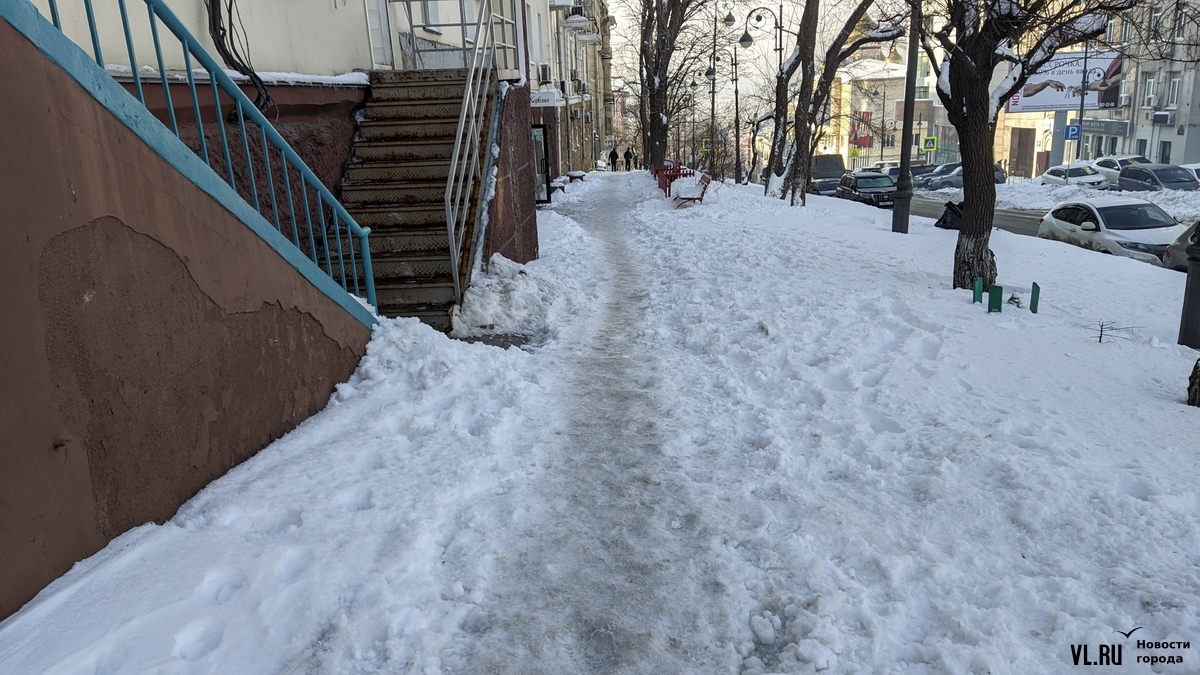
(929, 144)
(705, 145)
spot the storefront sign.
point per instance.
(1106, 127)
(543, 98)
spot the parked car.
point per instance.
(936, 173)
(1110, 167)
(1079, 173)
(954, 179)
(1192, 169)
(915, 170)
(1176, 256)
(868, 187)
(1124, 226)
(824, 186)
(825, 173)
(1155, 177)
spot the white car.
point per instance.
(1193, 169)
(1125, 226)
(1110, 167)
(1079, 173)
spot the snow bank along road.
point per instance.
(748, 438)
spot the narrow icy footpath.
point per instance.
(613, 573)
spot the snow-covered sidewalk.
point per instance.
(745, 438)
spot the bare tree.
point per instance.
(812, 102)
(979, 40)
(661, 24)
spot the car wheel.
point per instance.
(943, 186)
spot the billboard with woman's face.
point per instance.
(1059, 84)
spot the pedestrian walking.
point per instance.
(628, 157)
(612, 160)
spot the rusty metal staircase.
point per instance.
(396, 184)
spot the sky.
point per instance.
(738, 437)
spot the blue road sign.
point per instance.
(1073, 132)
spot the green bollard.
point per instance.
(978, 290)
(1033, 298)
(995, 298)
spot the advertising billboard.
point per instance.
(1059, 84)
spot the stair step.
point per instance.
(424, 291)
(413, 192)
(416, 108)
(407, 129)
(403, 150)
(384, 77)
(415, 93)
(436, 316)
(399, 215)
(429, 241)
(414, 265)
(427, 170)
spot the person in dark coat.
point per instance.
(628, 157)
(612, 160)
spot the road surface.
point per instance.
(1013, 220)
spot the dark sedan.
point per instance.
(868, 187)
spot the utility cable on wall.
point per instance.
(232, 45)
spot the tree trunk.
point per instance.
(1194, 386)
(657, 130)
(779, 135)
(972, 257)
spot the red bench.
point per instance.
(680, 200)
(668, 175)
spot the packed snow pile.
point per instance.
(752, 438)
(1033, 196)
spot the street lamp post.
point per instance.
(902, 206)
(776, 32)
(1189, 323)
(882, 117)
(737, 113)
(692, 98)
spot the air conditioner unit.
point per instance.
(582, 88)
(1124, 100)
(574, 74)
(1151, 101)
(1164, 118)
(575, 114)
(544, 74)
(561, 4)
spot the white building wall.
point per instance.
(313, 37)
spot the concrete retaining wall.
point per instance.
(149, 340)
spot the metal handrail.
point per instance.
(321, 251)
(463, 165)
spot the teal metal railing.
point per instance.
(303, 210)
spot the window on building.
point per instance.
(1164, 152)
(1110, 30)
(922, 66)
(429, 10)
(1112, 145)
(1126, 24)
(1173, 91)
(1156, 17)
(1150, 99)
(1180, 23)
(889, 140)
(922, 92)
(1141, 147)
